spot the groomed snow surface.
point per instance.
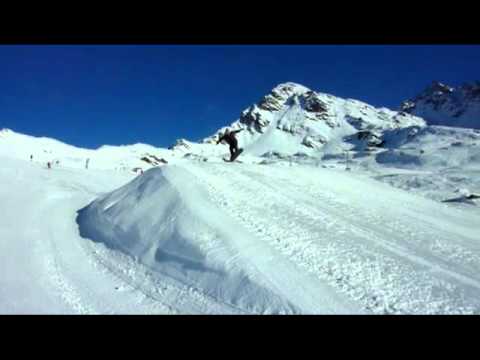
(230, 238)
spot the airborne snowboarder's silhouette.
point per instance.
(229, 137)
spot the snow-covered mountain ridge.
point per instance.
(440, 104)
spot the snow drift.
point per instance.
(165, 221)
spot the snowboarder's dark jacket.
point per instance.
(230, 138)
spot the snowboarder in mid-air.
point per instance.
(229, 137)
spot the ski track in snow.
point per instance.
(389, 264)
(69, 269)
(70, 265)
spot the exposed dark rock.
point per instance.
(146, 159)
(373, 140)
(270, 103)
(313, 104)
(253, 118)
(180, 143)
(153, 160)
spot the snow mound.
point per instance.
(164, 220)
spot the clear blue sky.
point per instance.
(93, 95)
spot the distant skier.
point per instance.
(86, 163)
(229, 137)
(31, 157)
(49, 165)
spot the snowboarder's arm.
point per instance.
(220, 139)
(237, 131)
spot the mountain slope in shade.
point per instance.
(440, 104)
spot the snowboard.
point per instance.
(234, 156)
